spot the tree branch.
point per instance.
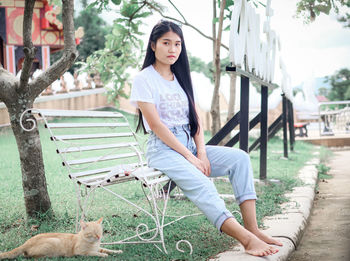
(69, 53)
(28, 48)
(177, 10)
(221, 19)
(182, 22)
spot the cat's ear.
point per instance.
(99, 221)
(82, 224)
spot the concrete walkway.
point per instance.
(327, 236)
(334, 224)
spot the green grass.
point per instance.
(322, 168)
(119, 218)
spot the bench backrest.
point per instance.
(94, 145)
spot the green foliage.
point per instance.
(325, 153)
(322, 168)
(323, 91)
(322, 171)
(345, 20)
(340, 82)
(102, 4)
(116, 2)
(123, 47)
(227, 14)
(310, 9)
(95, 30)
(198, 65)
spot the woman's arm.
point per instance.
(199, 139)
(151, 115)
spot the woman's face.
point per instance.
(167, 48)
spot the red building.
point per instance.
(47, 33)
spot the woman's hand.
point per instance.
(201, 162)
(203, 157)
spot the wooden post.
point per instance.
(244, 120)
(263, 132)
(284, 122)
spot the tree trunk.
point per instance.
(36, 197)
(215, 107)
(19, 95)
(215, 104)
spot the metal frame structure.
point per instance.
(241, 118)
(90, 173)
(341, 117)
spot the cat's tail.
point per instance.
(13, 253)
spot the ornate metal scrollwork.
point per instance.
(186, 242)
(32, 121)
(145, 232)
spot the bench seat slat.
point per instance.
(147, 173)
(159, 180)
(101, 158)
(108, 179)
(79, 113)
(99, 171)
(91, 136)
(97, 147)
(86, 125)
(97, 180)
(90, 172)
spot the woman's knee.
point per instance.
(242, 165)
(244, 156)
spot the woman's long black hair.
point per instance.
(180, 68)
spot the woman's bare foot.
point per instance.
(251, 243)
(266, 238)
(257, 247)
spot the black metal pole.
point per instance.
(244, 120)
(284, 122)
(263, 132)
(291, 125)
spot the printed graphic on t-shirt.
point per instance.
(173, 107)
(169, 98)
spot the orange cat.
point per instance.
(85, 243)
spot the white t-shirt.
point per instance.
(169, 98)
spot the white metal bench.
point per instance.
(99, 150)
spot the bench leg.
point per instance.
(156, 214)
(155, 235)
(298, 132)
(82, 202)
(305, 131)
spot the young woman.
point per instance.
(163, 93)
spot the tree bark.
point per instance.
(19, 95)
(36, 197)
(215, 104)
